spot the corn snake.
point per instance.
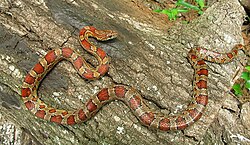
(128, 95)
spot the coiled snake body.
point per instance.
(128, 95)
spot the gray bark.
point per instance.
(148, 55)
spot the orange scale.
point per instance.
(40, 114)
(91, 106)
(103, 69)
(103, 95)
(201, 84)
(30, 105)
(86, 44)
(56, 119)
(135, 102)
(88, 74)
(230, 55)
(38, 68)
(101, 53)
(29, 79)
(82, 31)
(195, 114)
(52, 110)
(181, 123)
(50, 57)
(164, 124)
(71, 120)
(78, 63)
(26, 92)
(81, 114)
(120, 91)
(67, 52)
(147, 118)
(64, 113)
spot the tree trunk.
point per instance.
(148, 55)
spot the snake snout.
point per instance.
(112, 36)
(104, 35)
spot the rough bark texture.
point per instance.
(245, 3)
(147, 55)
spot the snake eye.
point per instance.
(111, 37)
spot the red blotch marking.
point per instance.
(56, 119)
(91, 106)
(40, 114)
(120, 91)
(92, 28)
(50, 56)
(164, 124)
(201, 62)
(38, 68)
(29, 79)
(82, 115)
(82, 31)
(86, 44)
(67, 52)
(235, 51)
(25, 92)
(201, 84)
(147, 118)
(103, 95)
(71, 120)
(64, 113)
(202, 72)
(29, 105)
(101, 53)
(135, 102)
(230, 55)
(181, 123)
(78, 63)
(195, 114)
(41, 106)
(88, 74)
(52, 110)
(103, 69)
(202, 99)
(193, 56)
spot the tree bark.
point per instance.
(148, 55)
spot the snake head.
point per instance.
(104, 35)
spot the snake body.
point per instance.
(128, 95)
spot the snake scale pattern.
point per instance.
(131, 97)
